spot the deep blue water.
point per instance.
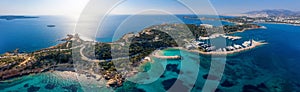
(282, 50)
(116, 26)
(274, 64)
(33, 34)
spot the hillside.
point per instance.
(274, 12)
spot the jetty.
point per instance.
(247, 45)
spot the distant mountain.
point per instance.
(274, 12)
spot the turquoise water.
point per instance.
(45, 82)
(274, 65)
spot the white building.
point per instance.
(207, 25)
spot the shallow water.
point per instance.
(44, 82)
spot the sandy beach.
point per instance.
(159, 54)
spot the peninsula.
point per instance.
(108, 60)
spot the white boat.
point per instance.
(237, 46)
(224, 49)
(246, 43)
(263, 27)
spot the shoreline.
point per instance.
(158, 54)
(245, 29)
(280, 23)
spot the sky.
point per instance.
(41, 7)
(74, 7)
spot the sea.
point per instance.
(270, 67)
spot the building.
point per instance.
(207, 25)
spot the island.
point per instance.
(96, 60)
(13, 17)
